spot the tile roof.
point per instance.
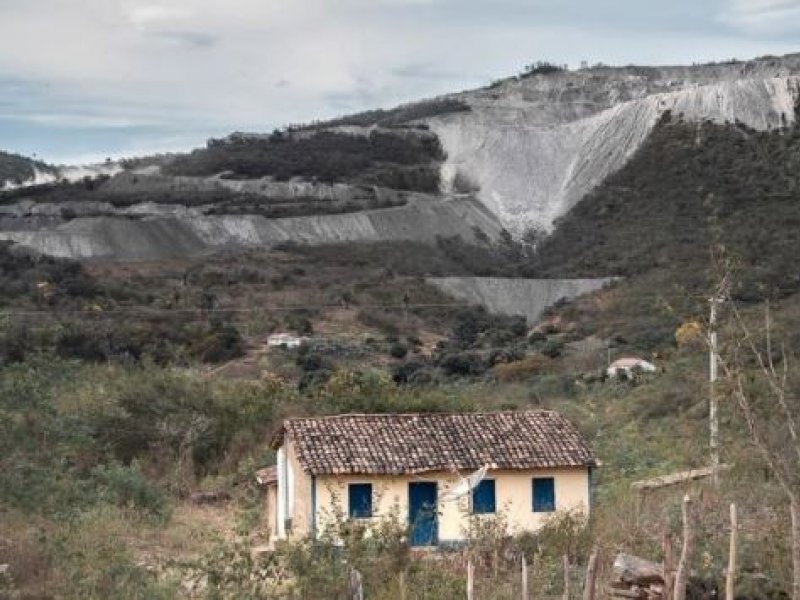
(267, 475)
(416, 443)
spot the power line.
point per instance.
(173, 311)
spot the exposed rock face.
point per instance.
(535, 146)
(188, 234)
(528, 297)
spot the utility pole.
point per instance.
(713, 412)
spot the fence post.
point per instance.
(524, 578)
(591, 576)
(730, 582)
(470, 581)
(566, 577)
(402, 584)
(682, 575)
(669, 567)
(356, 585)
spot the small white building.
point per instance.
(629, 366)
(285, 340)
(367, 467)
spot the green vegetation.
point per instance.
(216, 200)
(405, 160)
(688, 187)
(396, 117)
(542, 67)
(17, 169)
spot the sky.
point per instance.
(81, 80)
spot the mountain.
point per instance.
(517, 155)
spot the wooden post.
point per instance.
(669, 566)
(524, 578)
(402, 585)
(356, 585)
(730, 582)
(682, 576)
(591, 576)
(470, 581)
(566, 577)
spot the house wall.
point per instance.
(271, 510)
(513, 489)
(301, 501)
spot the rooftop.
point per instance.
(398, 444)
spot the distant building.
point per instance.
(285, 340)
(629, 366)
(366, 466)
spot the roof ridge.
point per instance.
(425, 414)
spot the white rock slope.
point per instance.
(528, 297)
(535, 146)
(186, 233)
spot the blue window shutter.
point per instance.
(544, 494)
(359, 496)
(484, 500)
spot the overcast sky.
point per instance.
(85, 79)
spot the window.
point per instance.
(544, 494)
(360, 500)
(483, 498)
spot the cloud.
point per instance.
(763, 17)
(143, 16)
(122, 72)
(78, 120)
(197, 39)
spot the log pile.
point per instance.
(636, 578)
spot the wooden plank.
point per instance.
(676, 478)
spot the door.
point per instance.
(422, 517)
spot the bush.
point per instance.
(464, 364)
(127, 487)
(220, 345)
(398, 351)
(553, 348)
(413, 372)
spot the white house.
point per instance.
(285, 340)
(629, 366)
(365, 467)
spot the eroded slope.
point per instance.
(535, 146)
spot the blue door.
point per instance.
(422, 518)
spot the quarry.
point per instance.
(521, 154)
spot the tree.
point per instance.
(765, 392)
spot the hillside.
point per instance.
(516, 155)
(535, 145)
(690, 187)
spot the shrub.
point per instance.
(553, 348)
(127, 487)
(222, 344)
(464, 364)
(414, 371)
(398, 351)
